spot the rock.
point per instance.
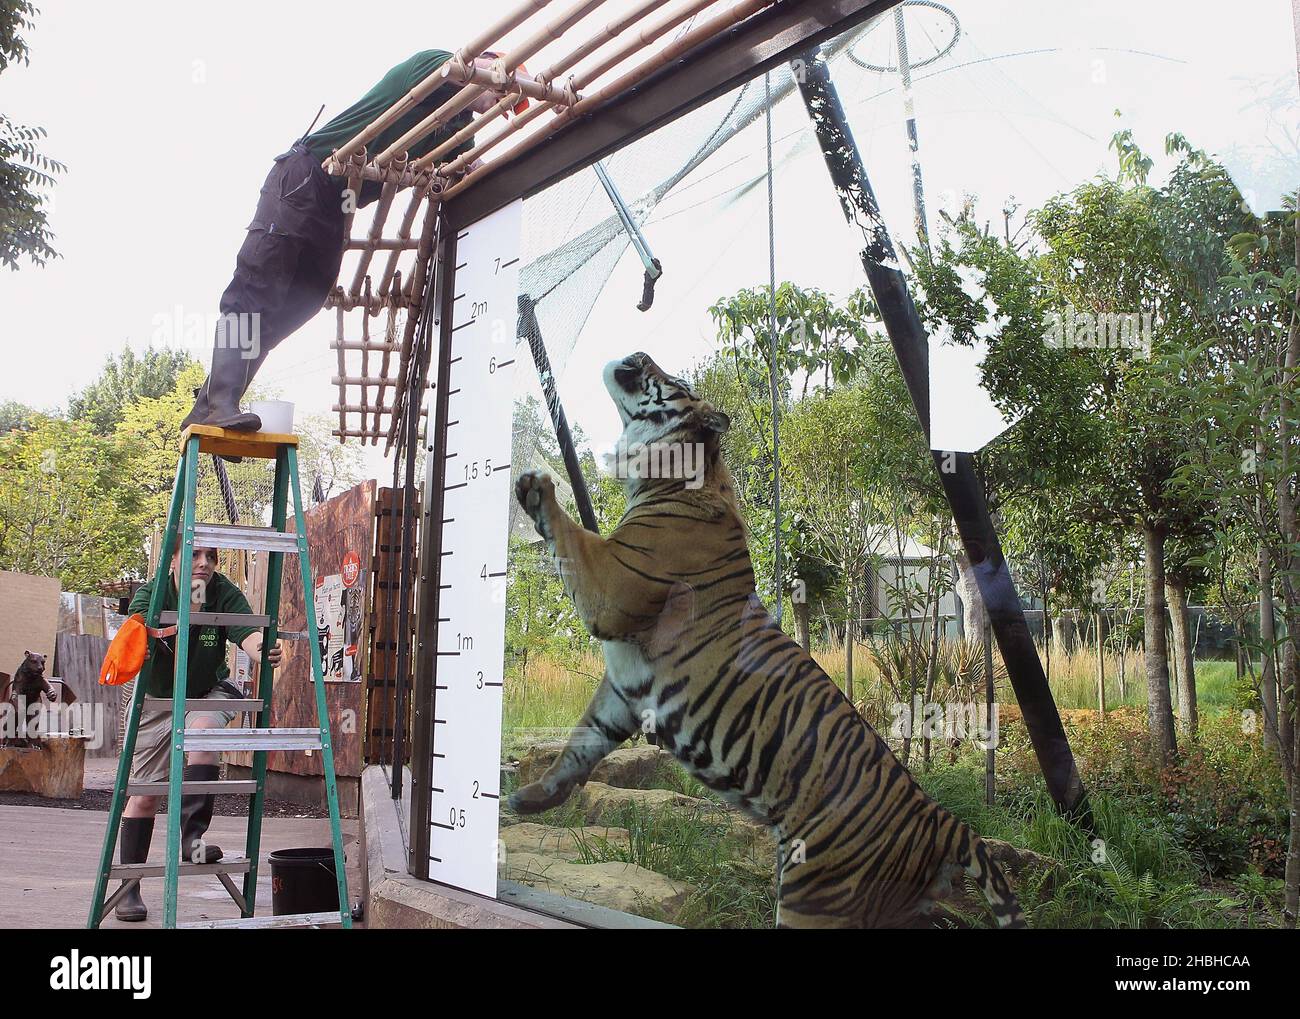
(622, 886)
(600, 803)
(633, 767)
(561, 843)
(534, 761)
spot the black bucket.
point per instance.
(303, 881)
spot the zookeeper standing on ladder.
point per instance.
(290, 259)
(207, 679)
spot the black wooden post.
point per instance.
(527, 328)
(956, 470)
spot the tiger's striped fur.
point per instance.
(691, 653)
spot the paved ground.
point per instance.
(48, 856)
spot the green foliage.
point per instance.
(540, 618)
(126, 378)
(15, 416)
(24, 169)
(68, 508)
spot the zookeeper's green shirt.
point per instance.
(392, 87)
(207, 643)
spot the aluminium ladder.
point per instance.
(278, 542)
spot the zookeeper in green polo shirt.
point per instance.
(208, 679)
(291, 256)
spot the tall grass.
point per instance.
(1073, 679)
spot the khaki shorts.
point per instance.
(151, 761)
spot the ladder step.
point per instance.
(227, 865)
(254, 539)
(204, 704)
(252, 739)
(217, 788)
(217, 619)
(267, 922)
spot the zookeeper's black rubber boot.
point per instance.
(196, 815)
(199, 412)
(133, 844)
(225, 386)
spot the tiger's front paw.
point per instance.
(535, 491)
(535, 797)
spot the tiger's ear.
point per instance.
(714, 419)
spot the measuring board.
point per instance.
(477, 491)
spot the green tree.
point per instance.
(15, 416)
(24, 170)
(69, 507)
(127, 378)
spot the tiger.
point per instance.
(692, 655)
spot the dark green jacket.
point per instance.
(207, 655)
(392, 87)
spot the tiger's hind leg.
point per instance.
(606, 723)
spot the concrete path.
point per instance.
(48, 857)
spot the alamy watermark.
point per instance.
(685, 460)
(932, 720)
(19, 720)
(1105, 330)
(240, 331)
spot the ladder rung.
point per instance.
(218, 788)
(267, 922)
(217, 619)
(252, 739)
(226, 865)
(205, 704)
(255, 539)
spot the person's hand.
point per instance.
(253, 648)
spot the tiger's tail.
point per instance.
(974, 859)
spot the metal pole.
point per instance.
(913, 141)
(529, 330)
(961, 485)
(772, 351)
(989, 709)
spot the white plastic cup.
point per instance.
(276, 415)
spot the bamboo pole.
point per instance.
(365, 354)
(377, 225)
(413, 98)
(343, 392)
(382, 175)
(383, 244)
(354, 168)
(714, 26)
(415, 287)
(353, 408)
(580, 80)
(610, 31)
(477, 80)
(356, 345)
(404, 235)
(366, 433)
(354, 380)
(390, 331)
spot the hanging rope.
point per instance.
(772, 345)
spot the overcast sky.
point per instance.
(168, 116)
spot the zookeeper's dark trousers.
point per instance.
(287, 264)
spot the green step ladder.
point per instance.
(276, 541)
